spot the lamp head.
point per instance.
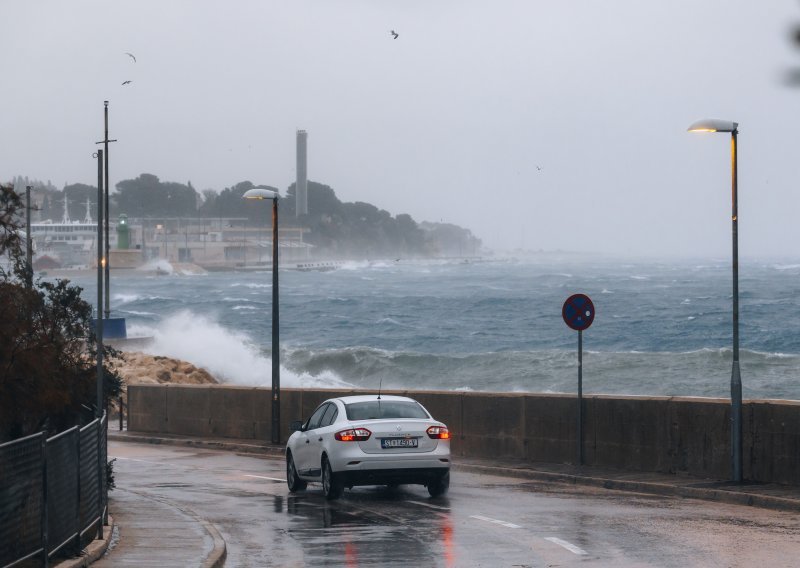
(714, 125)
(259, 193)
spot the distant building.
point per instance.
(301, 188)
(215, 243)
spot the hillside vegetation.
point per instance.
(336, 228)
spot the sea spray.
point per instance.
(161, 266)
(230, 356)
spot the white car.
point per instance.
(369, 440)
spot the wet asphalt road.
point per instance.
(483, 520)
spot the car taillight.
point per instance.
(439, 433)
(353, 435)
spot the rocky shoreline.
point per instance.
(136, 367)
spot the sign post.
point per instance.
(578, 314)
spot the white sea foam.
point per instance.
(160, 265)
(126, 298)
(251, 285)
(230, 356)
(138, 330)
(354, 265)
(137, 313)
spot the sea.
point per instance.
(661, 327)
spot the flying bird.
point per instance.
(539, 168)
(126, 82)
(394, 34)
(131, 56)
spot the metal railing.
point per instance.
(52, 494)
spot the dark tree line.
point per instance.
(336, 228)
(358, 228)
(47, 344)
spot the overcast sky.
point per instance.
(450, 121)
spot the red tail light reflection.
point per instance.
(353, 435)
(439, 433)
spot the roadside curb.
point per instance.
(215, 558)
(94, 550)
(256, 449)
(649, 487)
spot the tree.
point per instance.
(229, 203)
(146, 196)
(451, 240)
(46, 211)
(47, 343)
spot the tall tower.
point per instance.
(301, 188)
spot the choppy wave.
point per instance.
(253, 285)
(704, 372)
(491, 326)
(128, 298)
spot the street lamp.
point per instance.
(715, 125)
(261, 194)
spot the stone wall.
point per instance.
(676, 435)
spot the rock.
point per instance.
(136, 368)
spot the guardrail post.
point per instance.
(104, 461)
(77, 545)
(100, 472)
(45, 555)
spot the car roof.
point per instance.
(373, 397)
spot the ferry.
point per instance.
(65, 244)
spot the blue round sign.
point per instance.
(578, 312)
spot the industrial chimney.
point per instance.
(301, 188)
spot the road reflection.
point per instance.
(371, 526)
(448, 545)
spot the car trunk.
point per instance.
(397, 437)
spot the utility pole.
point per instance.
(99, 329)
(28, 239)
(106, 259)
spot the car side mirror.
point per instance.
(296, 425)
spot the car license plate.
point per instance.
(399, 442)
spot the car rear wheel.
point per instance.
(292, 479)
(439, 486)
(331, 485)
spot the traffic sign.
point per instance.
(578, 312)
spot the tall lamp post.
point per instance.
(28, 239)
(261, 194)
(715, 125)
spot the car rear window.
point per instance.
(376, 409)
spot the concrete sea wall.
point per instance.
(676, 435)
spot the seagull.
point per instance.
(126, 82)
(539, 168)
(394, 33)
(131, 56)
